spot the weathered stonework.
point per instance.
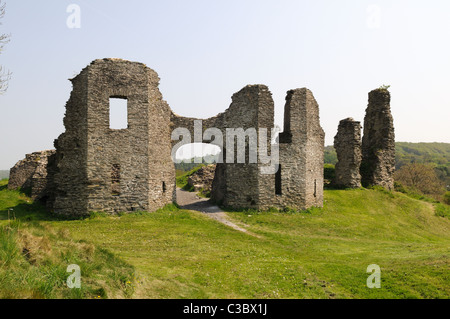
(347, 143)
(31, 174)
(301, 153)
(102, 169)
(378, 142)
(97, 168)
(299, 182)
(235, 184)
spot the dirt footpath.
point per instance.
(191, 201)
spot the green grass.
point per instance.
(442, 210)
(34, 257)
(319, 253)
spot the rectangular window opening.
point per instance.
(115, 180)
(118, 113)
(278, 181)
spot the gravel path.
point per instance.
(191, 201)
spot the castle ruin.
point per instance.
(97, 168)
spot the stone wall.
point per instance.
(347, 143)
(301, 152)
(30, 174)
(69, 177)
(236, 184)
(378, 142)
(20, 175)
(302, 141)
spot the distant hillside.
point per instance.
(435, 153)
(330, 156)
(4, 174)
(189, 164)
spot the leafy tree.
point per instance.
(330, 156)
(420, 177)
(4, 38)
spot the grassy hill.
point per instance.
(173, 253)
(34, 257)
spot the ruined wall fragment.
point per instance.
(347, 143)
(378, 142)
(31, 173)
(302, 145)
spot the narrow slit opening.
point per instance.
(278, 181)
(115, 180)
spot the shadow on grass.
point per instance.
(27, 212)
(23, 208)
(32, 211)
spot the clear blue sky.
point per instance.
(204, 51)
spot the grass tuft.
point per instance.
(442, 210)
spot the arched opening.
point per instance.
(194, 156)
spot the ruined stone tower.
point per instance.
(347, 143)
(103, 169)
(378, 142)
(300, 179)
